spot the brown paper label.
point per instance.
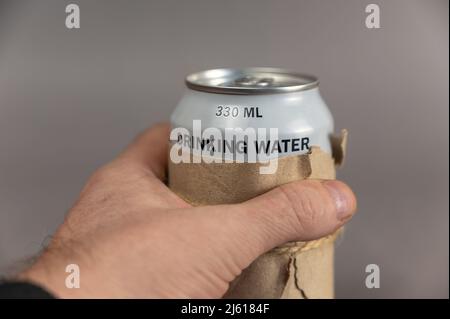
(293, 273)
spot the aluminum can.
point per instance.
(257, 98)
(238, 110)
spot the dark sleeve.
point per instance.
(23, 290)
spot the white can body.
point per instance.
(302, 118)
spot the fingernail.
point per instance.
(342, 200)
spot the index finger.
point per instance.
(150, 149)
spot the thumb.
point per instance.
(303, 210)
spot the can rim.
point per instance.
(204, 81)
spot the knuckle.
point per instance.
(304, 205)
(112, 171)
(101, 181)
(101, 175)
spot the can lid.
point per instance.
(250, 81)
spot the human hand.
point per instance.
(133, 238)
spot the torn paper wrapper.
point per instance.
(295, 270)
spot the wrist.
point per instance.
(59, 273)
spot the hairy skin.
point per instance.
(133, 238)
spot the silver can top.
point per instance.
(250, 81)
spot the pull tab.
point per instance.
(253, 81)
(265, 82)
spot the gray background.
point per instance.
(71, 99)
